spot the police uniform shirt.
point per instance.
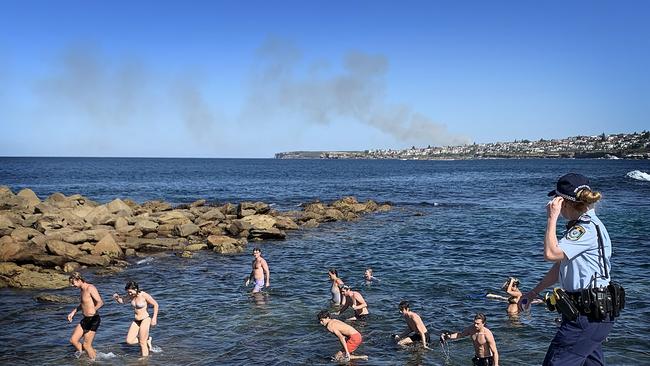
(580, 245)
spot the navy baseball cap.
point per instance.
(568, 186)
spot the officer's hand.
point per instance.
(554, 207)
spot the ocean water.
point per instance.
(457, 230)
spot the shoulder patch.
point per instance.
(575, 233)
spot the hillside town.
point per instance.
(615, 146)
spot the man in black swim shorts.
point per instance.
(90, 302)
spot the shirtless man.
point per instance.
(259, 272)
(415, 330)
(485, 348)
(355, 300)
(90, 302)
(349, 337)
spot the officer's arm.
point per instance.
(552, 251)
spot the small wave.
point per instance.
(156, 349)
(105, 356)
(639, 175)
(146, 260)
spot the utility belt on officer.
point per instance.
(596, 303)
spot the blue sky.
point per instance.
(249, 78)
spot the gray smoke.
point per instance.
(281, 84)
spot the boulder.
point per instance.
(94, 260)
(155, 206)
(316, 207)
(49, 222)
(155, 244)
(29, 196)
(6, 225)
(129, 252)
(82, 211)
(117, 205)
(229, 209)
(270, 233)
(12, 251)
(97, 233)
(185, 254)
(332, 214)
(58, 247)
(384, 208)
(99, 215)
(16, 276)
(371, 206)
(56, 299)
(186, 230)
(310, 224)
(285, 223)
(226, 245)
(24, 233)
(196, 247)
(198, 203)
(258, 222)
(121, 224)
(174, 217)
(77, 238)
(87, 247)
(213, 215)
(47, 260)
(58, 234)
(146, 226)
(107, 246)
(69, 267)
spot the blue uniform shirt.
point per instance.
(580, 245)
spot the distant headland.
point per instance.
(615, 146)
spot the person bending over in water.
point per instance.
(355, 300)
(259, 272)
(485, 348)
(415, 330)
(90, 302)
(139, 329)
(336, 284)
(349, 337)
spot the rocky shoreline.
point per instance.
(42, 240)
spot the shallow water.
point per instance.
(457, 231)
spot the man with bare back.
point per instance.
(349, 337)
(259, 272)
(89, 304)
(354, 300)
(415, 330)
(485, 348)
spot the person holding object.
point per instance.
(581, 263)
(485, 348)
(415, 330)
(139, 329)
(259, 273)
(89, 304)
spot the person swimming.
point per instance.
(139, 328)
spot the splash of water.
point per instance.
(639, 175)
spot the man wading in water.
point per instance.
(259, 272)
(90, 302)
(485, 348)
(349, 337)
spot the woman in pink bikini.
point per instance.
(139, 329)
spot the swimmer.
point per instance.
(335, 289)
(368, 276)
(139, 329)
(415, 330)
(349, 337)
(512, 288)
(90, 302)
(356, 301)
(259, 272)
(485, 348)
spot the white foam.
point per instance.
(146, 260)
(639, 175)
(156, 349)
(105, 356)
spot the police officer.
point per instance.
(581, 265)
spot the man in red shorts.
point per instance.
(349, 337)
